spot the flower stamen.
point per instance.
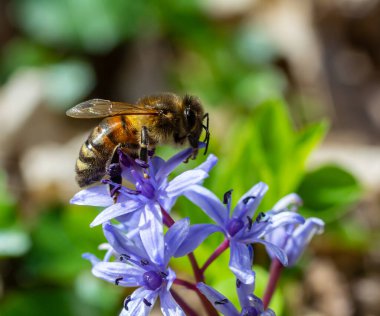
(124, 257)
(147, 303)
(144, 262)
(250, 222)
(117, 281)
(221, 302)
(262, 217)
(126, 302)
(248, 198)
(227, 197)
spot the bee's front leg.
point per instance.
(144, 153)
(144, 144)
(193, 155)
(114, 172)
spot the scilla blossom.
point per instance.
(138, 251)
(142, 258)
(239, 228)
(152, 190)
(293, 238)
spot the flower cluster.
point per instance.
(139, 250)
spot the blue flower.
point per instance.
(293, 238)
(239, 228)
(152, 190)
(250, 304)
(143, 256)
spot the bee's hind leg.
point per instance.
(144, 152)
(144, 144)
(114, 172)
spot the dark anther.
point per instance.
(227, 196)
(238, 283)
(164, 274)
(117, 281)
(126, 301)
(124, 256)
(147, 303)
(151, 152)
(248, 198)
(250, 222)
(144, 262)
(262, 217)
(221, 302)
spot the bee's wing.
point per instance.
(97, 108)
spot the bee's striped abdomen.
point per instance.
(98, 149)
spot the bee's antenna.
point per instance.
(206, 128)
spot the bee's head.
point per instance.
(193, 121)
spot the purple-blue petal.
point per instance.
(274, 251)
(301, 237)
(208, 202)
(122, 244)
(283, 219)
(90, 257)
(197, 234)
(156, 164)
(182, 182)
(278, 236)
(169, 306)
(218, 300)
(171, 276)
(118, 272)
(243, 291)
(172, 163)
(116, 210)
(151, 232)
(94, 196)
(174, 237)
(208, 164)
(286, 201)
(241, 262)
(167, 202)
(136, 305)
(249, 202)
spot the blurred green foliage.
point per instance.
(231, 67)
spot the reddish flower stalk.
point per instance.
(167, 219)
(218, 251)
(274, 275)
(186, 308)
(186, 284)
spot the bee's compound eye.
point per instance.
(190, 118)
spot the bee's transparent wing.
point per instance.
(97, 108)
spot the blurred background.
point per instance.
(293, 92)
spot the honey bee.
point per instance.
(136, 129)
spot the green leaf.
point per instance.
(328, 191)
(7, 203)
(264, 146)
(38, 302)
(95, 26)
